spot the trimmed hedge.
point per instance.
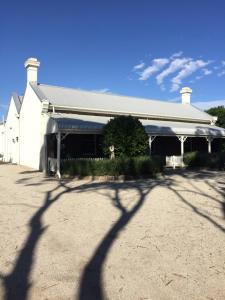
(143, 166)
(214, 161)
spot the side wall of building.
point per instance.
(2, 140)
(31, 134)
(11, 149)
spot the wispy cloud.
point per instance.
(221, 67)
(102, 91)
(207, 72)
(173, 67)
(139, 66)
(177, 54)
(3, 106)
(209, 104)
(157, 65)
(222, 73)
(188, 69)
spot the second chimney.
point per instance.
(32, 65)
(186, 95)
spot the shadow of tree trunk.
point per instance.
(91, 285)
(17, 284)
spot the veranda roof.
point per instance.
(94, 124)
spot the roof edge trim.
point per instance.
(119, 113)
(41, 96)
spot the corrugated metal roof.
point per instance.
(82, 123)
(108, 104)
(180, 128)
(79, 122)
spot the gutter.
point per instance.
(104, 113)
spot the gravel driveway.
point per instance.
(93, 240)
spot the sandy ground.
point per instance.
(150, 239)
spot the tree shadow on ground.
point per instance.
(18, 283)
(193, 176)
(30, 172)
(91, 284)
(218, 185)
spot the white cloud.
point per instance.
(188, 69)
(175, 65)
(3, 106)
(102, 91)
(139, 66)
(206, 72)
(223, 62)
(222, 73)
(208, 104)
(157, 65)
(198, 77)
(177, 54)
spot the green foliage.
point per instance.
(128, 136)
(214, 161)
(142, 166)
(220, 113)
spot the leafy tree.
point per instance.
(127, 135)
(220, 113)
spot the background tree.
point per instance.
(128, 136)
(218, 112)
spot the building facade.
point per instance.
(51, 123)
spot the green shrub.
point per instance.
(215, 161)
(128, 136)
(142, 166)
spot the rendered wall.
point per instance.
(11, 149)
(2, 139)
(31, 135)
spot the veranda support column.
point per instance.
(150, 140)
(182, 140)
(209, 140)
(58, 154)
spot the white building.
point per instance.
(9, 143)
(52, 123)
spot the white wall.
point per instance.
(2, 139)
(31, 134)
(11, 153)
(45, 121)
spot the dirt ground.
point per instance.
(150, 239)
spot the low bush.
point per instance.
(214, 161)
(142, 166)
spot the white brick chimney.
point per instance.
(32, 65)
(186, 95)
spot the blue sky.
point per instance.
(138, 48)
